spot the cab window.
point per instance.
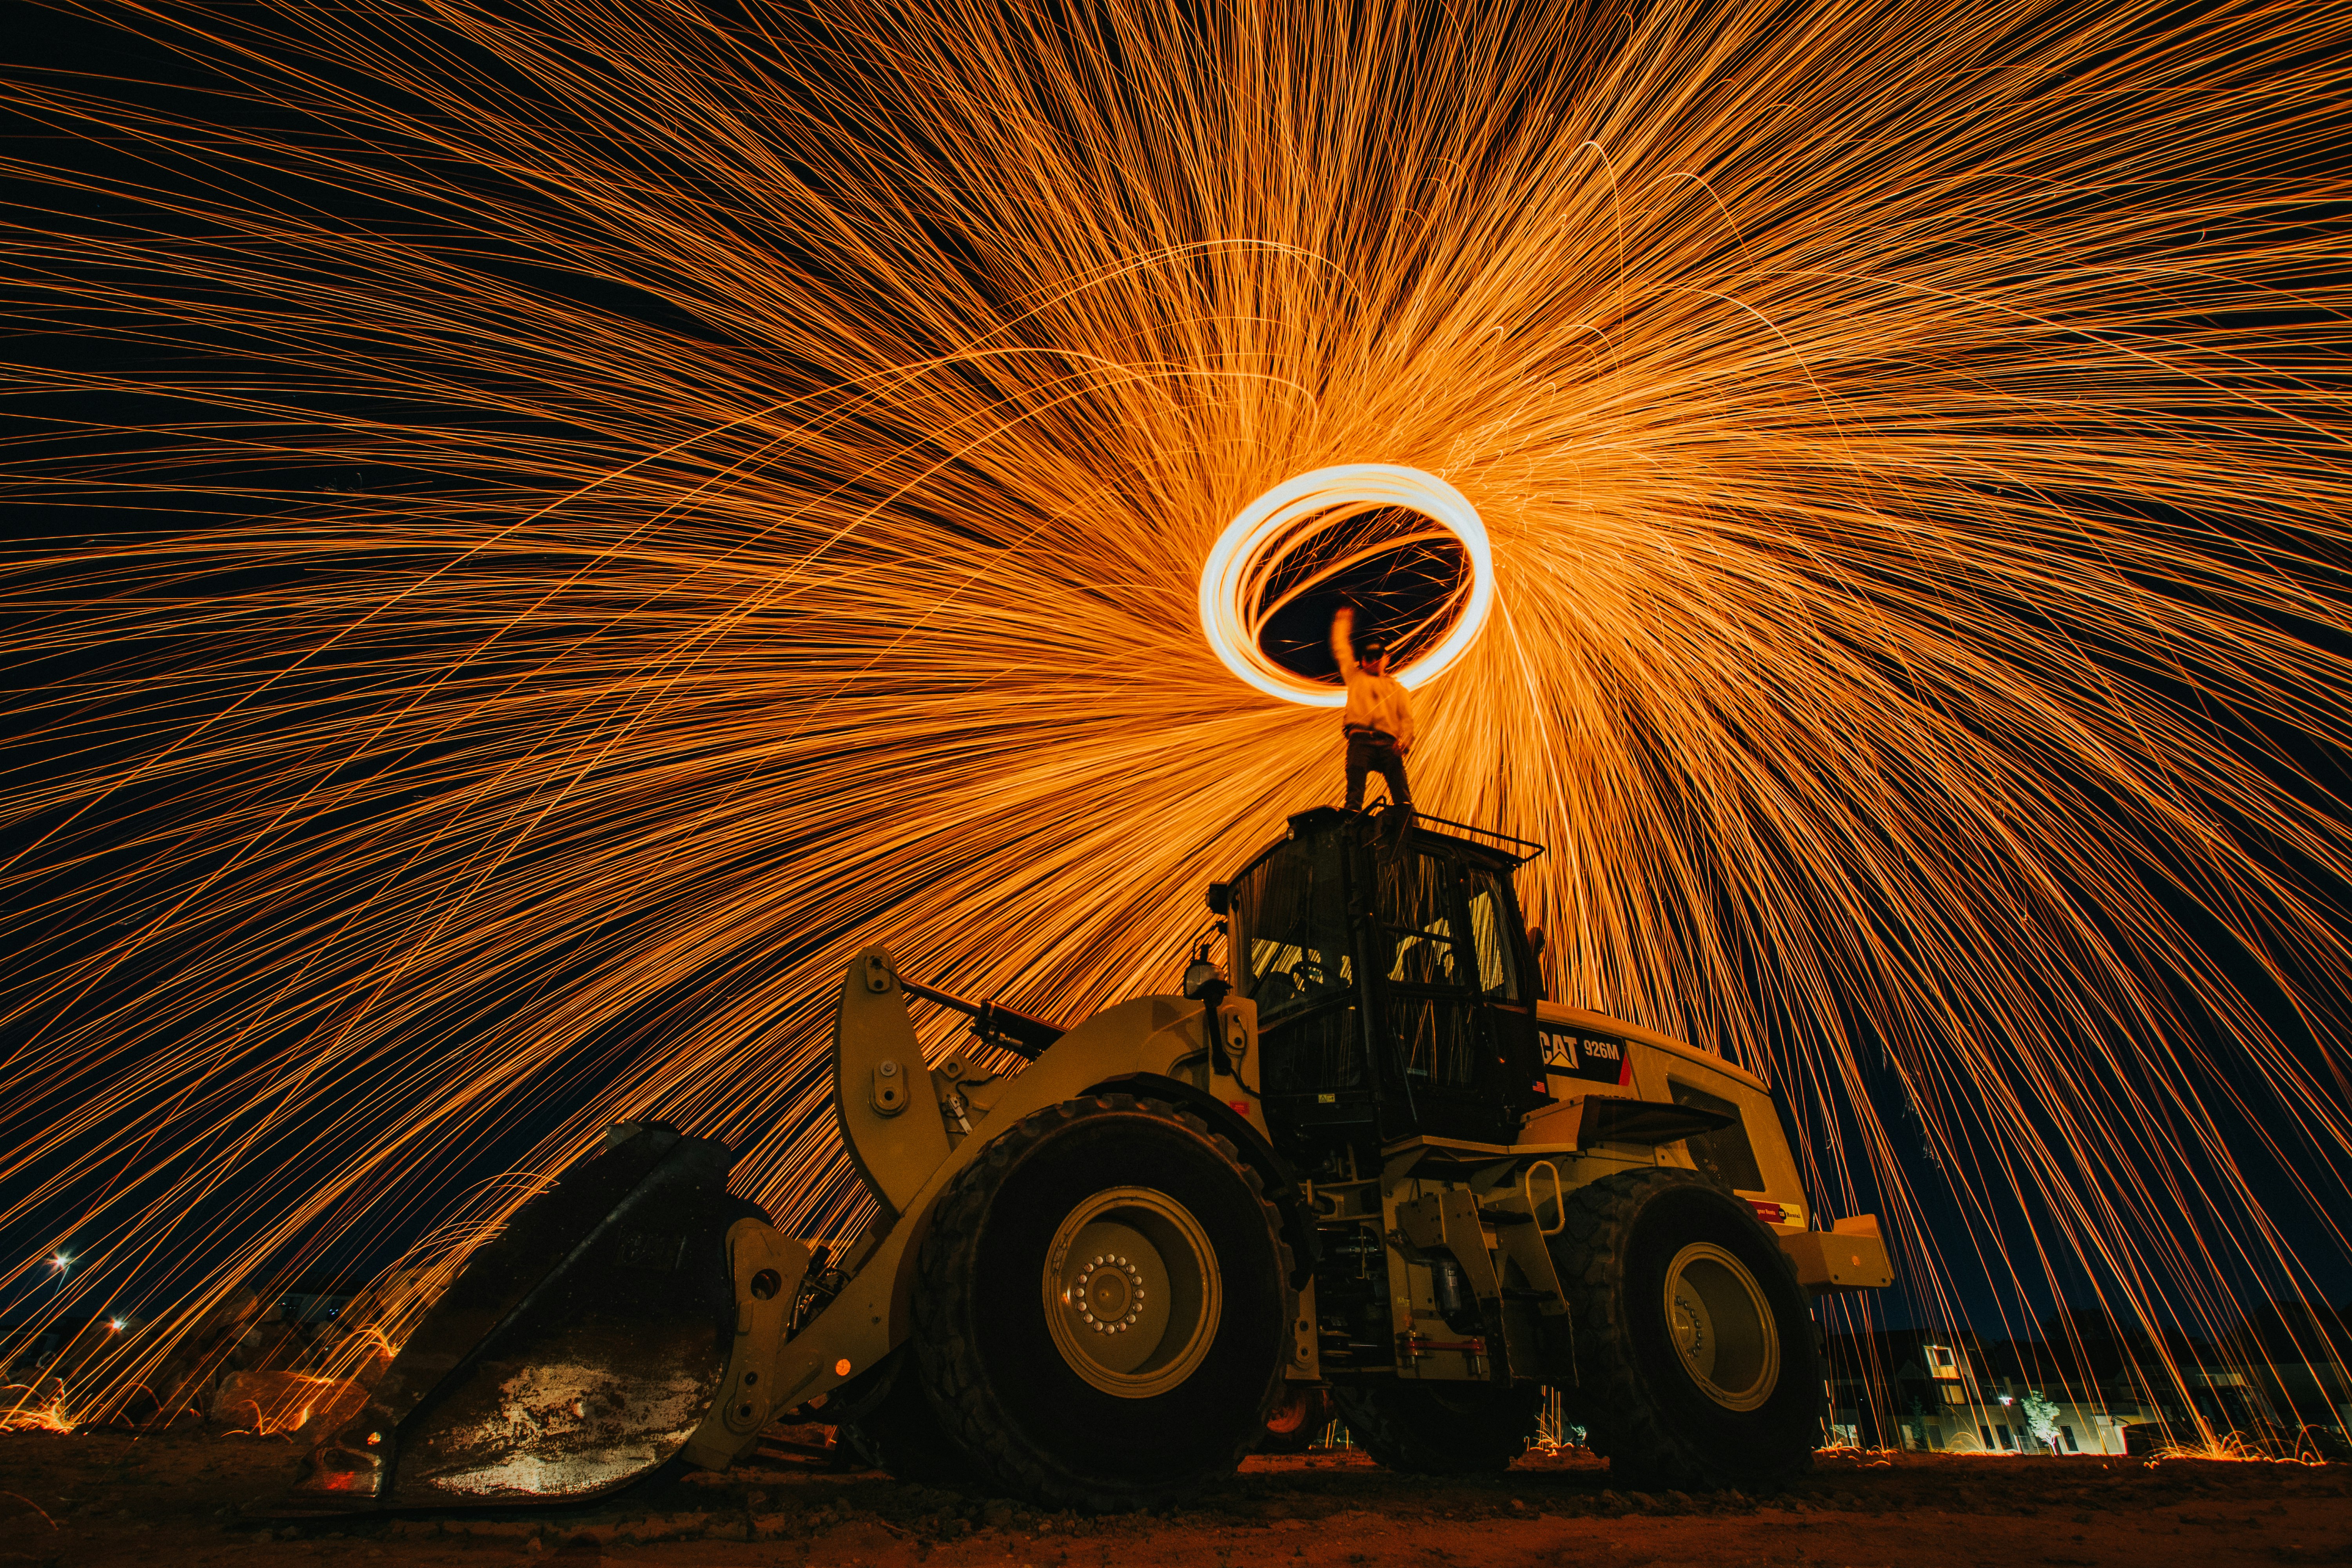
(1289, 924)
(1490, 933)
(1417, 903)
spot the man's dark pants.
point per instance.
(1374, 752)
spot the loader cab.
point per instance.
(1394, 982)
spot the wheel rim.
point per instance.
(1132, 1291)
(1721, 1327)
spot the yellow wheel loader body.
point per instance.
(1434, 1194)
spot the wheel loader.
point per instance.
(1362, 1166)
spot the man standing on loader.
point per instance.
(1379, 719)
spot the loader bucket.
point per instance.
(579, 1349)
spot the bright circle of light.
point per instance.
(1232, 576)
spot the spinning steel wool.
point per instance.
(1295, 519)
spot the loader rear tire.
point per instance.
(1440, 1428)
(1103, 1307)
(1695, 1351)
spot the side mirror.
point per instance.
(1200, 975)
(1221, 897)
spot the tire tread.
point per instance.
(950, 1367)
(1622, 1421)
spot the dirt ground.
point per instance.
(184, 1501)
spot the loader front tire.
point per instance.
(1695, 1348)
(1103, 1307)
(1440, 1428)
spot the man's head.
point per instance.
(1372, 652)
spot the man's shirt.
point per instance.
(1377, 702)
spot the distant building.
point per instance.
(1931, 1392)
(316, 1300)
(2273, 1382)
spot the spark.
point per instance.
(297, 1397)
(36, 1408)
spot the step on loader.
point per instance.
(1362, 1168)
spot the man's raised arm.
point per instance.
(1343, 641)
